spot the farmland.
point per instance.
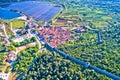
(93, 14)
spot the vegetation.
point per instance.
(17, 44)
(7, 27)
(2, 58)
(18, 24)
(25, 57)
(52, 67)
(105, 55)
(3, 54)
(8, 69)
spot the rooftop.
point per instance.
(55, 35)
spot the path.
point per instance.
(5, 31)
(63, 11)
(18, 49)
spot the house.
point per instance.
(79, 30)
(31, 25)
(6, 40)
(22, 18)
(70, 22)
(12, 56)
(4, 76)
(28, 35)
(1, 26)
(46, 25)
(28, 18)
(20, 32)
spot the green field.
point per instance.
(18, 24)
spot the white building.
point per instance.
(22, 38)
(1, 26)
(5, 76)
(22, 18)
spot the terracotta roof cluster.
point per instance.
(55, 35)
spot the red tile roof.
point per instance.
(56, 35)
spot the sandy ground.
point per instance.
(18, 49)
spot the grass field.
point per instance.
(18, 24)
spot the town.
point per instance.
(59, 40)
(36, 34)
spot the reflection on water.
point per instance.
(7, 15)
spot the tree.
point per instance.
(8, 69)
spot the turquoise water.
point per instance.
(7, 15)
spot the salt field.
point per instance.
(35, 9)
